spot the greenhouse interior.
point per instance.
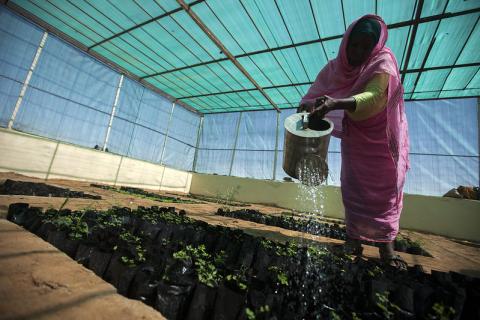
(239, 159)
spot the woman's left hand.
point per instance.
(323, 105)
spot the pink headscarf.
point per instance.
(339, 79)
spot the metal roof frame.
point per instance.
(222, 96)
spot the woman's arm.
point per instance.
(360, 106)
(372, 100)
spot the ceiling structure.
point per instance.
(243, 55)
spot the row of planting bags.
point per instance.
(312, 226)
(189, 269)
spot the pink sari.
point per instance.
(375, 150)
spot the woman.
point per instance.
(362, 94)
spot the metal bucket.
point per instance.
(305, 148)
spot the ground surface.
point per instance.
(55, 286)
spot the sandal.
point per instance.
(395, 261)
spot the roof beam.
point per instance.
(320, 40)
(220, 45)
(166, 14)
(412, 38)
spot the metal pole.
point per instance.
(276, 148)
(27, 80)
(235, 143)
(166, 133)
(199, 133)
(112, 114)
(478, 130)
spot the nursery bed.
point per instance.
(27, 188)
(448, 254)
(188, 269)
(314, 226)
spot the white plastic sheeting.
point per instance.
(217, 142)
(444, 145)
(182, 136)
(18, 43)
(71, 95)
(255, 149)
(61, 102)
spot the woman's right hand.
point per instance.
(306, 107)
(311, 105)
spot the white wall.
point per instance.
(48, 159)
(450, 217)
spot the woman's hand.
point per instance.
(309, 106)
(323, 105)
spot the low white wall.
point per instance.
(450, 217)
(48, 159)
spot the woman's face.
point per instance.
(359, 47)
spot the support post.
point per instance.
(166, 133)
(478, 130)
(199, 133)
(276, 148)
(235, 143)
(112, 114)
(27, 80)
(51, 161)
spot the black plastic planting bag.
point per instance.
(119, 274)
(263, 260)
(33, 220)
(144, 286)
(99, 261)
(203, 302)
(181, 272)
(83, 254)
(45, 229)
(228, 303)
(247, 252)
(173, 300)
(149, 230)
(60, 240)
(17, 213)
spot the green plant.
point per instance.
(207, 272)
(355, 317)
(290, 249)
(441, 312)
(374, 272)
(282, 277)
(334, 315)
(385, 305)
(237, 279)
(250, 314)
(316, 252)
(139, 254)
(73, 223)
